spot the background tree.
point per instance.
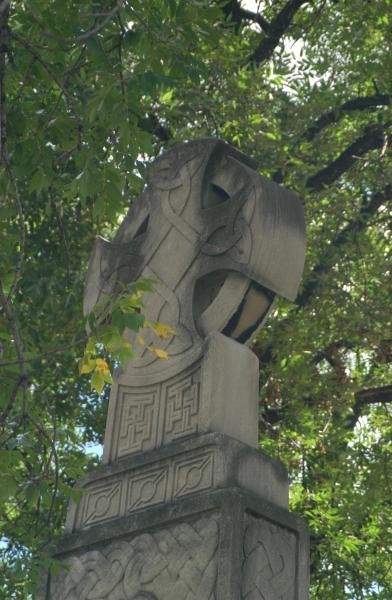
(89, 93)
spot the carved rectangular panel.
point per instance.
(147, 489)
(148, 417)
(176, 562)
(181, 409)
(188, 473)
(269, 566)
(193, 474)
(102, 504)
(228, 544)
(138, 421)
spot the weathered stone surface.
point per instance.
(175, 562)
(210, 395)
(231, 405)
(208, 462)
(221, 545)
(184, 507)
(268, 569)
(219, 239)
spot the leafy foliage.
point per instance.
(108, 324)
(91, 92)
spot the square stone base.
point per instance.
(226, 544)
(164, 475)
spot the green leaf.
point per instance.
(133, 321)
(8, 486)
(97, 381)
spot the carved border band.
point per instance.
(146, 486)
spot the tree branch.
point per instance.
(22, 224)
(23, 377)
(276, 29)
(334, 346)
(237, 13)
(47, 354)
(332, 116)
(377, 395)
(329, 257)
(383, 395)
(67, 96)
(152, 125)
(10, 403)
(4, 49)
(87, 34)
(373, 138)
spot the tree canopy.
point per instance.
(91, 92)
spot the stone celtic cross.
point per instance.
(184, 507)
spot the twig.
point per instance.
(329, 258)
(11, 401)
(62, 231)
(24, 380)
(87, 34)
(53, 453)
(122, 85)
(22, 224)
(4, 49)
(8, 363)
(24, 83)
(67, 96)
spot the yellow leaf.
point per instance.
(163, 330)
(86, 365)
(137, 295)
(108, 378)
(161, 353)
(102, 365)
(141, 340)
(97, 381)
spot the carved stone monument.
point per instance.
(184, 506)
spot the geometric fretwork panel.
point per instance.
(149, 416)
(181, 409)
(138, 421)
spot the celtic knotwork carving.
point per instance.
(205, 210)
(177, 562)
(230, 234)
(93, 576)
(268, 571)
(164, 306)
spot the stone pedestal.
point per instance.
(205, 519)
(150, 409)
(184, 507)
